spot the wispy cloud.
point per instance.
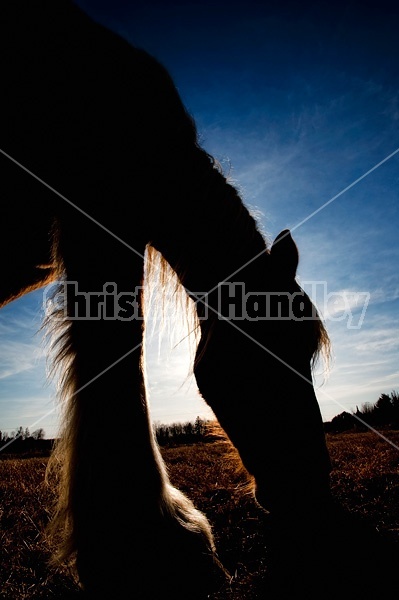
(379, 341)
(16, 357)
(387, 294)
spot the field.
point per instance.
(365, 479)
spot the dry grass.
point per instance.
(366, 476)
(365, 479)
(24, 513)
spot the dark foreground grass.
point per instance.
(365, 479)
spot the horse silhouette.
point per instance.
(104, 184)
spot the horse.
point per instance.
(105, 186)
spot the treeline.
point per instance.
(22, 434)
(184, 433)
(383, 413)
(21, 441)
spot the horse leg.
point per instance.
(122, 514)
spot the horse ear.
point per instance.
(284, 253)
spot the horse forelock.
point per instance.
(318, 339)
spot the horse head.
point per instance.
(254, 367)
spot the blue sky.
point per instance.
(300, 103)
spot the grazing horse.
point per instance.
(104, 185)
